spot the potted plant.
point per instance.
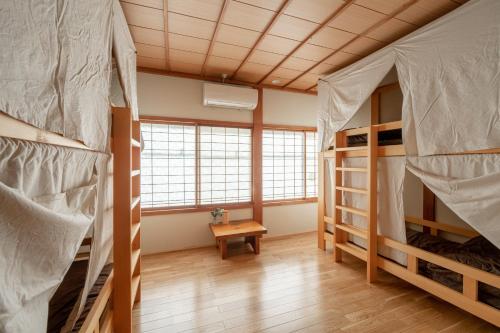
(216, 213)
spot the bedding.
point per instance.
(477, 252)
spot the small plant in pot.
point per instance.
(217, 213)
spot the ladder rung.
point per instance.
(352, 230)
(351, 148)
(328, 219)
(353, 210)
(353, 249)
(135, 201)
(135, 258)
(135, 143)
(135, 230)
(352, 169)
(352, 189)
(135, 173)
(135, 287)
(328, 235)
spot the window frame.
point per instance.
(305, 198)
(147, 211)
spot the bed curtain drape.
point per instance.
(449, 72)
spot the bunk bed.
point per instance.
(332, 229)
(108, 305)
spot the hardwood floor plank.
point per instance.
(290, 287)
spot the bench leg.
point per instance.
(223, 248)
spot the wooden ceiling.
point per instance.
(280, 43)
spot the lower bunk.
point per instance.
(96, 315)
(466, 275)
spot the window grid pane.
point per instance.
(311, 164)
(168, 165)
(225, 165)
(283, 165)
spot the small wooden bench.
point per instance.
(251, 230)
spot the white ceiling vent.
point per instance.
(227, 96)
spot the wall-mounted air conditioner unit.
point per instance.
(227, 96)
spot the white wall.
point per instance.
(178, 97)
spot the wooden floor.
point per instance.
(290, 287)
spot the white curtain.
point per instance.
(449, 72)
(51, 195)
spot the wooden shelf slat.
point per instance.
(328, 219)
(135, 173)
(353, 249)
(352, 189)
(352, 230)
(135, 258)
(357, 131)
(352, 210)
(135, 286)
(360, 148)
(135, 201)
(352, 169)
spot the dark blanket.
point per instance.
(478, 252)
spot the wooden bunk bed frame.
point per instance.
(112, 309)
(338, 233)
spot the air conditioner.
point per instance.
(228, 96)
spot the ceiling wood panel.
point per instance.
(252, 72)
(315, 11)
(237, 36)
(267, 4)
(186, 43)
(248, 17)
(218, 65)
(331, 38)
(258, 41)
(187, 57)
(426, 11)
(383, 6)
(158, 4)
(292, 28)
(277, 44)
(363, 46)
(312, 52)
(391, 30)
(229, 51)
(285, 73)
(178, 66)
(190, 26)
(150, 51)
(150, 62)
(297, 63)
(265, 58)
(147, 36)
(204, 9)
(356, 19)
(143, 16)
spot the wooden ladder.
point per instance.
(341, 229)
(126, 217)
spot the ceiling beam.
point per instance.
(214, 36)
(214, 79)
(318, 28)
(397, 11)
(268, 28)
(165, 34)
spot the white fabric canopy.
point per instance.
(449, 73)
(51, 197)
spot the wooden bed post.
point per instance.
(126, 218)
(371, 262)
(321, 202)
(257, 159)
(339, 236)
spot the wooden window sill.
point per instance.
(272, 203)
(182, 210)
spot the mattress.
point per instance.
(478, 252)
(66, 296)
